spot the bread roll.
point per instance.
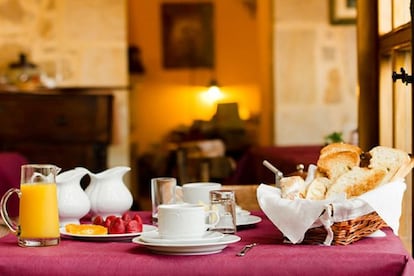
(317, 188)
(293, 187)
(335, 164)
(356, 182)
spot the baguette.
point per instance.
(335, 164)
(356, 182)
(388, 159)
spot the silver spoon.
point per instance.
(245, 249)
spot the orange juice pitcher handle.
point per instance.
(4, 214)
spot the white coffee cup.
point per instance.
(199, 192)
(184, 221)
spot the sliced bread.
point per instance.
(389, 159)
(356, 182)
(317, 188)
(335, 164)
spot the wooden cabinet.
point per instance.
(67, 129)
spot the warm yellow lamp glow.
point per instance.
(213, 94)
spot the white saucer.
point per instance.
(202, 248)
(249, 220)
(242, 212)
(154, 237)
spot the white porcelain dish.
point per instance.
(154, 237)
(197, 248)
(242, 216)
(249, 220)
(108, 237)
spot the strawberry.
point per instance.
(126, 217)
(117, 226)
(108, 221)
(133, 227)
(138, 219)
(98, 220)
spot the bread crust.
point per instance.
(356, 182)
(389, 159)
(338, 147)
(335, 164)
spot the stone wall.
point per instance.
(315, 74)
(77, 42)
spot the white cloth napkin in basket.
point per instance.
(294, 217)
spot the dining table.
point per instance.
(272, 255)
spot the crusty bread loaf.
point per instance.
(389, 159)
(335, 164)
(317, 188)
(340, 170)
(356, 182)
(337, 147)
(293, 187)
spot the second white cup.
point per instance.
(199, 192)
(184, 221)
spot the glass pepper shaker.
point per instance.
(224, 202)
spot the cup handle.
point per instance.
(212, 214)
(3, 211)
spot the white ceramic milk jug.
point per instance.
(108, 193)
(73, 203)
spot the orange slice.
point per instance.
(86, 229)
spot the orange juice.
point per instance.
(39, 216)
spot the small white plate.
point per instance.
(189, 249)
(154, 237)
(108, 237)
(250, 220)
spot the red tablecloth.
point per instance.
(370, 256)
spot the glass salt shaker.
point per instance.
(224, 202)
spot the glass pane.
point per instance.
(384, 16)
(385, 102)
(401, 12)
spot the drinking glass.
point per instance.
(162, 192)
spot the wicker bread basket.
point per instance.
(346, 232)
(337, 223)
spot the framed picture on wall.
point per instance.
(187, 35)
(342, 11)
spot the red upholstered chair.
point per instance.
(10, 164)
(250, 169)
